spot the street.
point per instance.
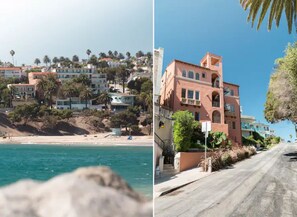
(264, 185)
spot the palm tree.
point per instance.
(139, 54)
(115, 53)
(86, 93)
(128, 54)
(277, 7)
(75, 59)
(12, 53)
(149, 102)
(121, 56)
(70, 90)
(110, 54)
(104, 98)
(61, 59)
(41, 86)
(88, 53)
(12, 91)
(102, 55)
(56, 60)
(46, 60)
(49, 86)
(37, 61)
(122, 75)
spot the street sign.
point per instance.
(206, 126)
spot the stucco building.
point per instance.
(11, 72)
(250, 125)
(121, 101)
(98, 79)
(201, 90)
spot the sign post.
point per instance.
(206, 127)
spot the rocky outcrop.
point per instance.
(86, 192)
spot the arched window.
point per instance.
(184, 73)
(216, 117)
(215, 80)
(215, 99)
(191, 74)
(197, 76)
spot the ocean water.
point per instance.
(42, 162)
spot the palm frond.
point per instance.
(277, 8)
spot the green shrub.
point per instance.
(184, 125)
(135, 129)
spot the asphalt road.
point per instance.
(265, 185)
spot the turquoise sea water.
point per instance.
(41, 162)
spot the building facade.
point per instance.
(158, 67)
(76, 104)
(250, 125)
(22, 91)
(34, 77)
(121, 101)
(11, 72)
(98, 80)
(200, 89)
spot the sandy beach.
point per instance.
(91, 140)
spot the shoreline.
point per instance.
(79, 140)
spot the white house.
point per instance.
(11, 72)
(121, 101)
(76, 104)
(98, 79)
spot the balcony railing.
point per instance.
(190, 101)
(193, 102)
(216, 85)
(230, 114)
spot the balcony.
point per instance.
(227, 107)
(247, 127)
(191, 101)
(230, 114)
(185, 101)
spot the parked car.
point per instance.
(289, 141)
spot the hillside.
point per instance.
(75, 126)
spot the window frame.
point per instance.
(197, 73)
(233, 125)
(197, 91)
(190, 73)
(188, 94)
(182, 93)
(184, 73)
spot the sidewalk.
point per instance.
(178, 180)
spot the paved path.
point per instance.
(178, 180)
(265, 185)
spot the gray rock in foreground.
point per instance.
(87, 192)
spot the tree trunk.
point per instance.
(123, 85)
(70, 103)
(50, 102)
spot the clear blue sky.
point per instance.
(33, 28)
(188, 29)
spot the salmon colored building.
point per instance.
(200, 89)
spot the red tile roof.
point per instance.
(10, 68)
